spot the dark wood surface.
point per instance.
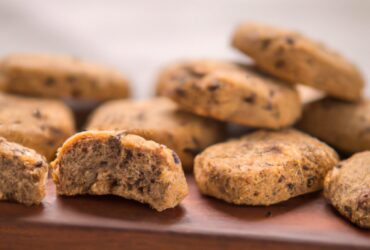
(108, 222)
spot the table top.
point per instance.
(306, 221)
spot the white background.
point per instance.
(138, 37)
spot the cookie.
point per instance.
(264, 167)
(347, 187)
(108, 162)
(159, 119)
(344, 125)
(60, 76)
(237, 94)
(297, 59)
(23, 174)
(40, 124)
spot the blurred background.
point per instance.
(138, 37)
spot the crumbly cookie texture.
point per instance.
(297, 59)
(23, 174)
(61, 77)
(40, 124)
(344, 125)
(264, 167)
(108, 162)
(230, 92)
(347, 187)
(159, 119)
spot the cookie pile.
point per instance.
(139, 149)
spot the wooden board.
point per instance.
(108, 222)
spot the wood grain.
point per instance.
(108, 222)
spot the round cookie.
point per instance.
(60, 76)
(232, 93)
(347, 187)
(344, 125)
(297, 59)
(160, 120)
(264, 167)
(40, 124)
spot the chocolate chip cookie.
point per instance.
(107, 162)
(347, 187)
(40, 124)
(344, 125)
(159, 119)
(231, 92)
(264, 167)
(60, 76)
(23, 174)
(297, 59)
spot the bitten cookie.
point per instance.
(160, 120)
(23, 174)
(107, 162)
(235, 94)
(61, 76)
(40, 124)
(347, 187)
(344, 125)
(297, 59)
(264, 167)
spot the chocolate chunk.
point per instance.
(250, 99)
(37, 113)
(281, 179)
(305, 167)
(49, 81)
(103, 163)
(256, 193)
(214, 86)
(279, 63)
(114, 145)
(180, 91)
(265, 44)
(290, 186)
(310, 181)
(176, 157)
(290, 41)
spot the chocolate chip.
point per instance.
(281, 179)
(265, 44)
(55, 131)
(268, 214)
(114, 145)
(180, 91)
(37, 113)
(38, 164)
(193, 73)
(279, 63)
(250, 99)
(290, 186)
(305, 167)
(49, 81)
(176, 158)
(103, 163)
(310, 181)
(289, 40)
(338, 165)
(76, 93)
(128, 155)
(256, 193)
(214, 86)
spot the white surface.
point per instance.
(138, 37)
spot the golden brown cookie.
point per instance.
(62, 77)
(264, 167)
(297, 59)
(160, 120)
(347, 187)
(23, 174)
(230, 93)
(344, 125)
(108, 162)
(40, 124)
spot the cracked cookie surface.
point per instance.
(23, 174)
(264, 167)
(113, 162)
(298, 59)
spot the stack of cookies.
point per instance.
(139, 149)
